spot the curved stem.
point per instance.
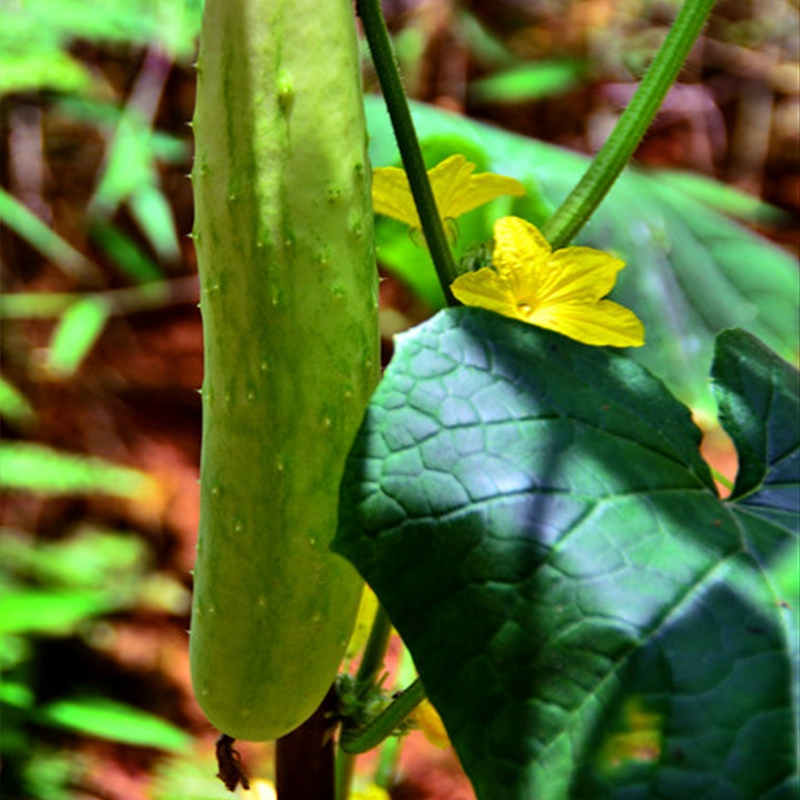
(575, 211)
(386, 722)
(397, 104)
(389, 753)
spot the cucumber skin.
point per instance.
(283, 234)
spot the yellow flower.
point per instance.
(455, 189)
(427, 719)
(561, 290)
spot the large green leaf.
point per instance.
(691, 270)
(590, 619)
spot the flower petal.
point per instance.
(518, 245)
(603, 323)
(455, 189)
(391, 196)
(448, 178)
(485, 289)
(482, 189)
(458, 191)
(578, 275)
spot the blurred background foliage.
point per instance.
(101, 342)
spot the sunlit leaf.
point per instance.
(172, 23)
(130, 176)
(50, 611)
(41, 305)
(16, 694)
(51, 773)
(89, 559)
(14, 406)
(128, 165)
(14, 649)
(75, 334)
(34, 70)
(152, 211)
(107, 719)
(36, 468)
(92, 569)
(527, 82)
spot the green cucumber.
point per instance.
(283, 234)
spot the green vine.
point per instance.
(582, 201)
(397, 104)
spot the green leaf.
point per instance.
(691, 271)
(130, 175)
(129, 165)
(54, 612)
(117, 722)
(37, 69)
(75, 334)
(89, 559)
(15, 694)
(27, 225)
(36, 468)
(758, 397)
(32, 57)
(151, 210)
(127, 256)
(170, 24)
(727, 199)
(526, 82)
(586, 614)
(14, 406)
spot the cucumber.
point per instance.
(283, 235)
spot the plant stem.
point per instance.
(368, 669)
(345, 766)
(387, 721)
(397, 104)
(386, 769)
(304, 758)
(375, 651)
(575, 211)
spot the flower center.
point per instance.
(525, 308)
